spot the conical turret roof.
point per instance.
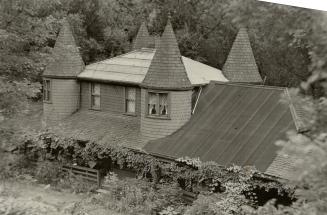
(167, 70)
(143, 39)
(240, 65)
(67, 61)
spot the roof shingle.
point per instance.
(132, 67)
(67, 62)
(240, 65)
(143, 39)
(167, 70)
(103, 128)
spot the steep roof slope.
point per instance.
(143, 39)
(167, 70)
(67, 62)
(240, 65)
(233, 124)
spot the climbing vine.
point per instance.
(192, 174)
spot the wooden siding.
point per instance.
(64, 99)
(112, 98)
(85, 95)
(180, 113)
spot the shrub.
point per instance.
(12, 165)
(76, 184)
(48, 172)
(134, 196)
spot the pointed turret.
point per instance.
(61, 90)
(240, 65)
(166, 90)
(143, 39)
(67, 61)
(167, 70)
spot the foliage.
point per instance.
(227, 186)
(48, 172)
(280, 35)
(13, 166)
(309, 148)
(133, 196)
(75, 184)
(14, 96)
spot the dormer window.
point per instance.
(95, 96)
(158, 104)
(47, 90)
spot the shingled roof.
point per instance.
(233, 124)
(167, 70)
(240, 65)
(67, 62)
(143, 39)
(132, 67)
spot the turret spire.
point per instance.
(67, 61)
(167, 70)
(143, 39)
(240, 65)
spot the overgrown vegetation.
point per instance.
(290, 45)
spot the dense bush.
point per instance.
(133, 196)
(12, 165)
(48, 172)
(76, 184)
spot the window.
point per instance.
(95, 96)
(158, 104)
(47, 90)
(130, 98)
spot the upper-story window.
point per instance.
(95, 96)
(47, 90)
(130, 99)
(158, 104)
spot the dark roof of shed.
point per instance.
(167, 70)
(67, 61)
(240, 65)
(143, 39)
(233, 124)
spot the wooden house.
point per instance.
(155, 100)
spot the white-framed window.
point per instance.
(130, 99)
(47, 90)
(95, 96)
(158, 104)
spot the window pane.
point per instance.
(96, 89)
(48, 95)
(96, 101)
(130, 106)
(130, 93)
(153, 104)
(44, 90)
(48, 84)
(163, 103)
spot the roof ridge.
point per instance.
(117, 56)
(242, 84)
(299, 124)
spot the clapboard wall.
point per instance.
(112, 98)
